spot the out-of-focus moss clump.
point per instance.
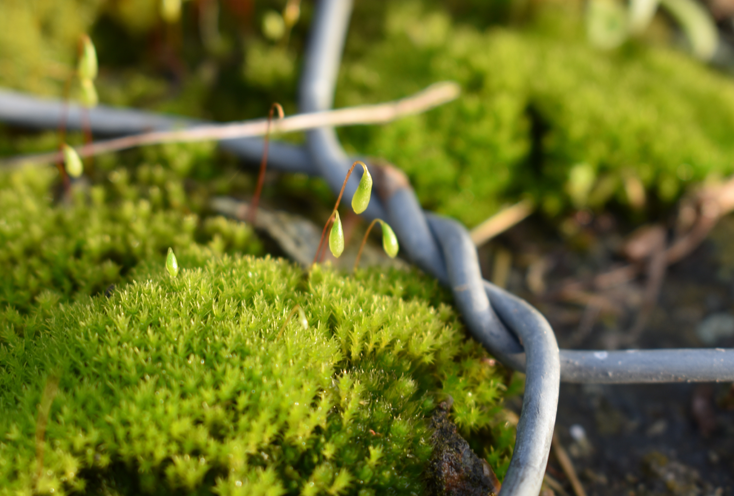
(542, 114)
(82, 246)
(199, 383)
(38, 41)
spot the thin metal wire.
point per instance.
(507, 326)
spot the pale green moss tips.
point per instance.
(101, 236)
(186, 385)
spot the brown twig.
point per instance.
(263, 164)
(554, 484)
(288, 319)
(656, 267)
(501, 221)
(565, 461)
(434, 95)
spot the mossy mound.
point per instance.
(543, 114)
(99, 233)
(201, 384)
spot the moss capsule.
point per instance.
(72, 162)
(361, 198)
(389, 240)
(336, 237)
(171, 263)
(87, 68)
(89, 94)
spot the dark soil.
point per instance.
(634, 439)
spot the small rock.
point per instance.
(454, 469)
(657, 428)
(716, 327)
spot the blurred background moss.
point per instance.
(572, 104)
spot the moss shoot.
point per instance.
(196, 383)
(99, 233)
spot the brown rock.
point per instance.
(454, 469)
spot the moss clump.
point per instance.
(93, 240)
(38, 41)
(542, 114)
(197, 383)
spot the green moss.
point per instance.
(94, 238)
(537, 102)
(196, 383)
(38, 41)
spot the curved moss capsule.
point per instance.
(171, 263)
(171, 10)
(389, 240)
(302, 318)
(89, 94)
(336, 237)
(72, 162)
(87, 68)
(361, 197)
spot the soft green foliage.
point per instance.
(188, 384)
(83, 246)
(536, 103)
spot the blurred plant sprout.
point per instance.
(171, 263)
(72, 162)
(87, 71)
(171, 11)
(609, 23)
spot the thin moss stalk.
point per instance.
(332, 217)
(252, 213)
(389, 241)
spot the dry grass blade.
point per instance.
(501, 221)
(567, 467)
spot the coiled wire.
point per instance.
(508, 327)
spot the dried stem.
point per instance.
(44, 409)
(432, 96)
(364, 242)
(263, 164)
(567, 465)
(288, 319)
(59, 156)
(501, 221)
(87, 131)
(336, 206)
